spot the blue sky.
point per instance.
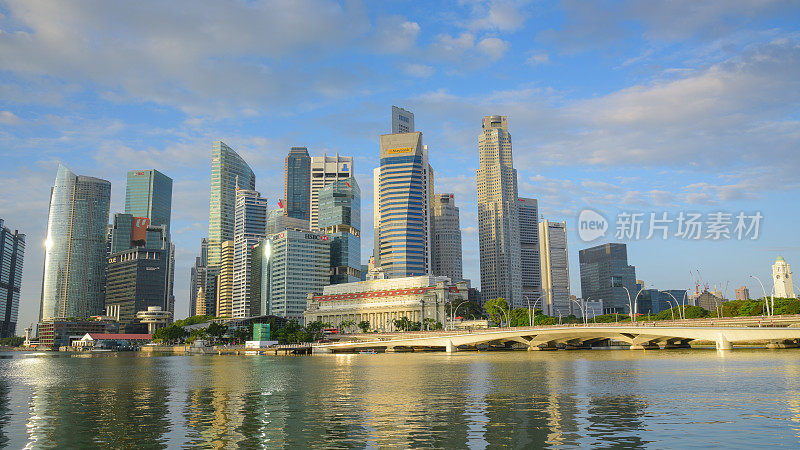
(633, 106)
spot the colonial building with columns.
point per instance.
(380, 301)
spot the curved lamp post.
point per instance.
(632, 303)
(769, 313)
(676, 305)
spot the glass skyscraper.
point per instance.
(340, 218)
(75, 247)
(446, 231)
(148, 193)
(297, 183)
(250, 227)
(228, 170)
(12, 252)
(605, 274)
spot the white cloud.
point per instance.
(9, 118)
(493, 47)
(538, 58)
(419, 70)
(395, 34)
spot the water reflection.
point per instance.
(537, 400)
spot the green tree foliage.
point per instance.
(465, 308)
(497, 309)
(363, 326)
(172, 334)
(405, 324)
(13, 341)
(347, 325)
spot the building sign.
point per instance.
(344, 167)
(393, 151)
(139, 230)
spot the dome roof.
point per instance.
(780, 258)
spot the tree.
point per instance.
(171, 334)
(216, 331)
(364, 326)
(465, 308)
(13, 341)
(402, 323)
(313, 331)
(497, 309)
(347, 325)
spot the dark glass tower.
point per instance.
(604, 272)
(340, 218)
(149, 194)
(12, 251)
(297, 184)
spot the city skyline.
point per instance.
(624, 136)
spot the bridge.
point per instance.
(569, 337)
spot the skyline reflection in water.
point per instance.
(598, 399)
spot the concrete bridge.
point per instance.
(570, 337)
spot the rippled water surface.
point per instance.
(599, 399)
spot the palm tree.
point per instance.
(347, 325)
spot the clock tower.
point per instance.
(782, 279)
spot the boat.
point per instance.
(369, 351)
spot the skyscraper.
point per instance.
(249, 229)
(446, 233)
(148, 193)
(138, 278)
(402, 120)
(554, 268)
(198, 279)
(324, 171)
(12, 254)
(605, 274)
(277, 221)
(340, 219)
(297, 183)
(75, 247)
(225, 281)
(531, 270)
(498, 218)
(227, 169)
(742, 293)
(403, 189)
(782, 279)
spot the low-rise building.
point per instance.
(381, 301)
(111, 340)
(56, 333)
(154, 318)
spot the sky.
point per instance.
(617, 106)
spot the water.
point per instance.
(597, 399)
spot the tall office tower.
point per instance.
(324, 171)
(605, 274)
(294, 264)
(75, 247)
(554, 268)
(129, 232)
(259, 279)
(277, 221)
(198, 278)
(742, 293)
(498, 215)
(530, 268)
(225, 281)
(340, 218)
(403, 190)
(149, 194)
(138, 278)
(782, 279)
(446, 233)
(227, 169)
(402, 120)
(297, 183)
(249, 229)
(12, 254)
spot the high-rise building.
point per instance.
(498, 218)
(198, 279)
(402, 120)
(297, 183)
(340, 219)
(531, 265)
(148, 193)
(259, 279)
(554, 268)
(228, 170)
(12, 254)
(225, 281)
(249, 229)
(743, 293)
(324, 171)
(129, 232)
(446, 255)
(403, 187)
(138, 278)
(75, 247)
(277, 221)
(782, 279)
(294, 264)
(605, 274)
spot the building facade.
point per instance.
(55, 333)
(225, 281)
(297, 183)
(197, 280)
(402, 120)
(137, 279)
(228, 170)
(498, 218)
(148, 193)
(782, 279)
(423, 299)
(531, 262)
(75, 247)
(742, 293)
(446, 231)
(324, 171)
(12, 255)
(554, 268)
(403, 189)
(340, 219)
(605, 274)
(294, 264)
(278, 221)
(250, 227)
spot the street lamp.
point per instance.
(672, 310)
(453, 313)
(583, 310)
(531, 319)
(765, 294)
(676, 305)
(632, 304)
